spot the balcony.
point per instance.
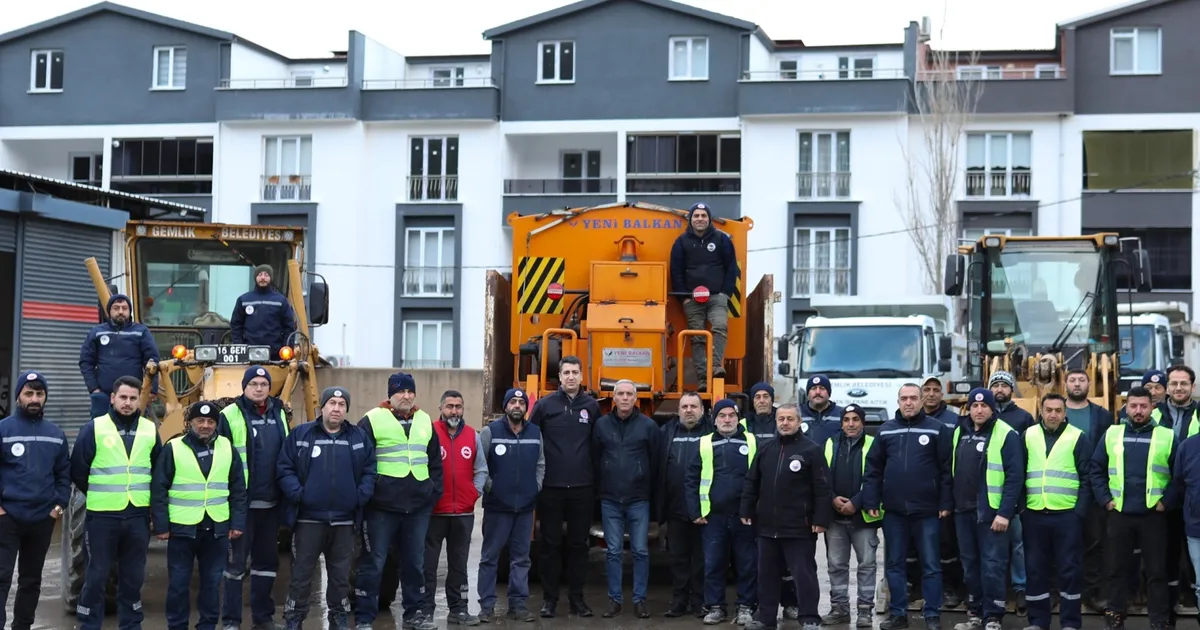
(443, 188)
(823, 185)
(552, 171)
(430, 99)
(777, 92)
(570, 186)
(1002, 184)
(428, 282)
(286, 188)
(1042, 90)
(305, 98)
(809, 282)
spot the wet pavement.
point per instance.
(51, 614)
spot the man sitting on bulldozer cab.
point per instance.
(263, 317)
(703, 256)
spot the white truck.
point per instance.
(1162, 335)
(869, 348)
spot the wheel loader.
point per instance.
(594, 282)
(183, 280)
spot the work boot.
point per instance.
(1114, 620)
(866, 612)
(808, 625)
(360, 626)
(268, 625)
(419, 622)
(791, 612)
(487, 615)
(745, 615)
(992, 624)
(898, 622)
(290, 623)
(677, 609)
(935, 623)
(951, 599)
(548, 607)
(1037, 628)
(837, 615)
(462, 618)
(973, 622)
(758, 625)
(639, 610)
(1022, 608)
(338, 621)
(716, 614)
(579, 608)
(614, 609)
(521, 613)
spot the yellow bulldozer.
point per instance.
(183, 280)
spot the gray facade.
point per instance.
(863, 96)
(1134, 209)
(998, 214)
(820, 214)
(412, 215)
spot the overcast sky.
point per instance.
(304, 28)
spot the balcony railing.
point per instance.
(428, 84)
(572, 186)
(428, 281)
(999, 184)
(433, 187)
(993, 74)
(426, 364)
(809, 282)
(287, 188)
(278, 84)
(862, 74)
(668, 184)
(833, 185)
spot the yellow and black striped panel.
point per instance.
(534, 275)
(735, 300)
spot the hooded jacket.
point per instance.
(326, 478)
(405, 494)
(34, 467)
(846, 469)
(262, 317)
(730, 463)
(84, 452)
(908, 469)
(1015, 417)
(707, 259)
(265, 434)
(971, 452)
(626, 453)
(164, 477)
(111, 351)
(680, 448)
(787, 489)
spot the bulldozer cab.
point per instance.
(183, 281)
(1040, 306)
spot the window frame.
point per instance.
(308, 78)
(811, 267)
(989, 168)
(558, 65)
(441, 325)
(691, 42)
(49, 53)
(1052, 67)
(834, 156)
(172, 51)
(853, 72)
(447, 182)
(457, 78)
(1131, 33)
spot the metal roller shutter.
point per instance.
(58, 307)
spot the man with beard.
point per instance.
(516, 467)
(1093, 420)
(116, 348)
(952, 572)
(1003, 384)
(112, 463)
(199, 504)
(464, 472)
(262, 316)
(821, 419)
(680, 449)
(409, 483)
(36, 484)
(1179, 414)
(703, 256)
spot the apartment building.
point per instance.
(396, 162)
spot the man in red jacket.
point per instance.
(463, 474)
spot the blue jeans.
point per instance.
(1194, 553)
(124, 541)
(984, 557)
(1016, 535)
(381, 530)
(925, 534)
(617, 519)
(259, 546)
(500, 530)
(720, 535)
(182, 555)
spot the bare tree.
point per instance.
(945, 103)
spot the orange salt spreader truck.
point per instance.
(595, 283)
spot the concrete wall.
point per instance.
(368, 388)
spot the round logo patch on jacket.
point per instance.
(249, 310)
(18, 449)
(744, 450)
(795, 465)
(316, 452)
(465, 452)
(924, 440)
(501, 449)
(712, 247)
(979, 447)
(104, 340)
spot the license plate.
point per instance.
(233, 354)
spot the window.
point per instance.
(170, 68)
(998, 164)
(979, 73)
(556, 62)
(974, 234)
(302, 79)
(788, 69)
(824, 171)
(449, 77)
(46, 71)
(580, 172)
(433, 169)
(684, 163)
(87, 168)
(428, 344)
(1047, 71)
(287, 168)
(1146, 160)
(689, 58)
(152, 166)
(1135, 51)
(861, 67)
(429, 262)
(821, 263)
(1170, 251)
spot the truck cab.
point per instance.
(1151, 347)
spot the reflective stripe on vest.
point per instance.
(396, 454)
(1051, 483)
(706, 465)
(118, 479)
(192, 494)
(1158, 471)
(1193, 427)
(237, 430)
(867, 441)
(993, 476)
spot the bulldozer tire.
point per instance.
(73, 568)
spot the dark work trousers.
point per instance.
(403, 533)
(1176, 551)
(1151, 530)
(455, 532)
(575, 507)
(1093, 553)
(23, 546)
(800, 556)
(685, 540)
(1053, 552)
(501, 530)
(259, 544)
(109, 540)
(722, 535)
(985, 555)
(309, 542)
(183, 554)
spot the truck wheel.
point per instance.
(73, 567)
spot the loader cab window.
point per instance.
(195, 283)
(1142, 358)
